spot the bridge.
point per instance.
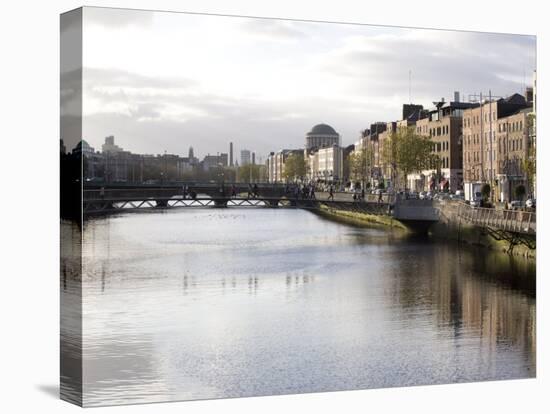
(416, 214)
(128, 198)
(511, 225)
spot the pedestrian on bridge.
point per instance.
(233, 191)
(256, 191)
(331, 193)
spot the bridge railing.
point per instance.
(137, 193)
(508, 220)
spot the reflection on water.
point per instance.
(224, 303)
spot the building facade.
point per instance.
(326, 164)
(276, 164)
(245, 157)
(443, 125)
(487, 159)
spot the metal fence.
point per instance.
(507, 220)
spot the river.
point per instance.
(210, 303)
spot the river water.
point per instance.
(210, 303)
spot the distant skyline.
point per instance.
(166, 81)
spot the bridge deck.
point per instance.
(104, 200)
(104, 205)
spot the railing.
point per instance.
(508, 220)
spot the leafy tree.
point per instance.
(406, 152)
(248, 173)
(360, 163)
(295, 167)
(357, 165)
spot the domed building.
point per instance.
(321, 136)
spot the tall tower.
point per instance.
(245, 157)
(191, 154)
(253, 158)
(231, 154)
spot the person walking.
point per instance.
(330, 193)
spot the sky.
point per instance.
(162, 81)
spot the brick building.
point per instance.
(487, 158)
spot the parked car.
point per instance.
(475, 203)
(422, 195)
(516, 205)
(531, 203)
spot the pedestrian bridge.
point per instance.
(415, 214)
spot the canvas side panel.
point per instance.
(71, 206)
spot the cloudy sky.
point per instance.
(164, 81)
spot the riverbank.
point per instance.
(360, 219)
(449, 228)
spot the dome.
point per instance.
(322, 129)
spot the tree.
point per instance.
(520, 191)
(360, 163)
(248, 173)
(357, 166)
(406, 152)
(295, 167)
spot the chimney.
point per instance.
(457, 96)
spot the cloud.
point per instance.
(203, 81)
(440, 62)
(113, 18)
(272, 29)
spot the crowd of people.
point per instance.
(303, 191)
